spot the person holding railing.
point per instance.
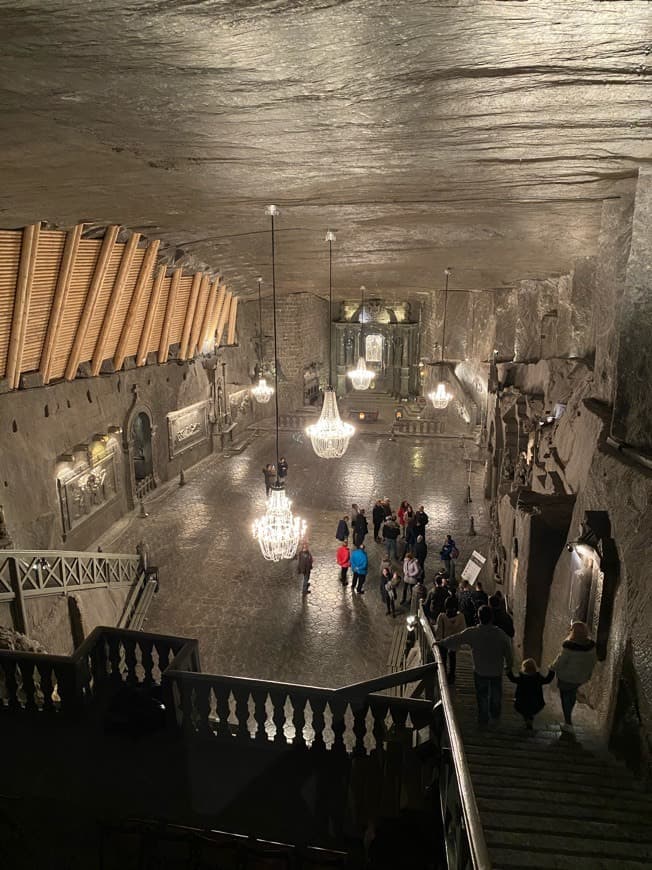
(492, 653)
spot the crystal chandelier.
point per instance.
(361, 377)
(278, 531)
(329, 435)
(440, 397)
(262, 392)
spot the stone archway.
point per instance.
(138, 443)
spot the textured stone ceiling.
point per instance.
(480, 135)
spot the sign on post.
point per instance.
(473, 567)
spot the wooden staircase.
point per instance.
(548, 799)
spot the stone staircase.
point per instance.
(548, 799)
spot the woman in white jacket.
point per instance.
(573, 666)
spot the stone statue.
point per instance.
(522, 473)
(508, 467)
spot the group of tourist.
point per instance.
(274, 476)
(460, 615)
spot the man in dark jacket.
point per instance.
(360, 528)
(342, 533)
(304, 567)
(421, 551)
(421, 520)
(391, 531)
(378, 516)
(437, 598)
(501, 617)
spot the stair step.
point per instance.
(597, 789)
(581, 846)
(527, 821)
(545, 755)
(544, 773)
(530, 762)
(589, 796)
(503, 859)
(511, 803)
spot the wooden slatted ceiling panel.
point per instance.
(79, 283)
(10, 242)
(48, 260)
(102, 302)
(155, 337)
(141, 311)
(179, 315)
(125, 299)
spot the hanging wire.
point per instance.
(272, 211)
(443, 327)
(330, 238)
(260, 324)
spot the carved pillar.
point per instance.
(340, 359)
(405, 364)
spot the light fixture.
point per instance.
(278, 531)
(329, 435)
(361, 376)
(262, 392)
(441, 397)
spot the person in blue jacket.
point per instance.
(359, 566)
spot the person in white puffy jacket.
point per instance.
(573, 666)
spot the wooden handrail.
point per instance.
(477, 842)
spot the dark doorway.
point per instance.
(141, 436)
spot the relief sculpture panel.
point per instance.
(187, 427)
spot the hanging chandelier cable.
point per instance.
(329, 435)
(278, 531)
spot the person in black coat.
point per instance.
(378, 516)
(421, 520)
(479, 596)
(501, 617)
(342, 533)
(421, 551)
(528, 700)
(360, 528)
(282, 470)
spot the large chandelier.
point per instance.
(440, 397)
(262, 392)
(329, 435)
(278, 531)
(361, 377)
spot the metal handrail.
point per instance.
(477, 842)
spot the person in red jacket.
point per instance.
(344, 561)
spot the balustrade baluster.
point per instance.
(27, 672)
(9, 669)
(203, 707)
(278, 716)
(66, 686)
(259, 696)
(338, 708)
(147, 661)
(130, 660)
(241, 710)
(317, 703)
(359, 711)
(222, 706)
(47, 687)
(113, 657)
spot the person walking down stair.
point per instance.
(492, 651)
(449, 623)
(528, 700)
(573, 666)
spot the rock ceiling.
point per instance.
(477, 135)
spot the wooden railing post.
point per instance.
(20, 611)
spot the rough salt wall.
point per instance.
(633, 399)
(613, 253)
(76, 410)
(303, 337)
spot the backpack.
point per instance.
(390, 590)
(455, 553)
